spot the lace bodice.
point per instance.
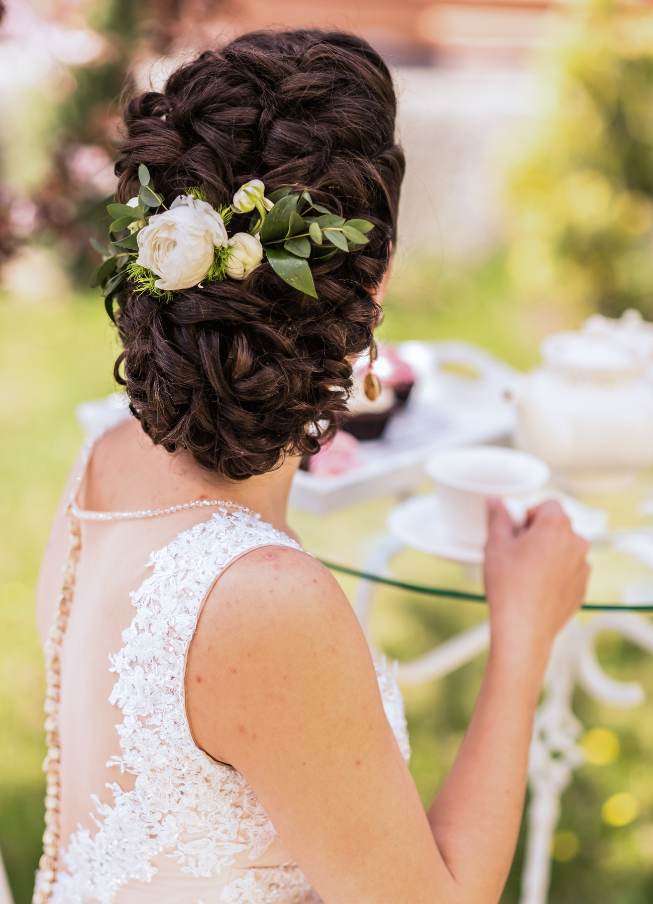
(190, 830)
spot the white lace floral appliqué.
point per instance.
(183, 804)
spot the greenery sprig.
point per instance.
(297, 230)
(288, 228)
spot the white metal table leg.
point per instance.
(445, 658)
(555, 752)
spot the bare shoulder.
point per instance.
(276, 635)
(278, 583)
(282, 686)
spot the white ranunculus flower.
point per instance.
(251, 195)
(178, 244)
(246, 254)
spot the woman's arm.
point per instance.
(280, 684)
(535, 578)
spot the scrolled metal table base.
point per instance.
(555, 751)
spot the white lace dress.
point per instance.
(188, 830)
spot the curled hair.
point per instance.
(242, 373)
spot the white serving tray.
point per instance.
(448, 407)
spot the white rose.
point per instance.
(246, 254)
(251, 195)
(178, 244)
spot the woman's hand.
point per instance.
(535, 579)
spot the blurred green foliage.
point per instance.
(57, 354)
(583, 191)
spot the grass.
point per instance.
(56, 354)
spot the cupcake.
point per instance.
(366, 418)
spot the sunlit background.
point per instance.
(528, 204)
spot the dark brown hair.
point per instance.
(241, 372)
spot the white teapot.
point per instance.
(588, 411)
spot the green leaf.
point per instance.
(315, 232)
(363, 226)
(96, 246)
(301, 247)
(144, 175)
(115, 281)
(149, 198)
(296, 225)
(122, 210)
(120, 223)
(277, 222)
(130, 243)
(322, 209)
(292, 270)
(108, 307)
(331, 219)
(305, 196)
(324, 252)
(354, 235)
(336, 238)
(278, 194)
(104, 271)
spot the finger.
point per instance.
(499, 523)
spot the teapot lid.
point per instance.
(602, 346)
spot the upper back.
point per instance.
(127, 748)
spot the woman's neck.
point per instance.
(265, 493)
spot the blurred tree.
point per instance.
(583, 191)
(71, 199)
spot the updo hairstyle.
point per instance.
(241, 373)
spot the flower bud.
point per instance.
(249, 196)
(246, 254)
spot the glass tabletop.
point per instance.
(358, 542)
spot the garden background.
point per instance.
(528, 205)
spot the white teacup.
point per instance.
(467, 476)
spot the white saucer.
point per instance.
(420, 524)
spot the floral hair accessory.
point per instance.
(159, 250)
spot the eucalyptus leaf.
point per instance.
(315, 232)
(296, 225)
(96, 246)
(324, 252)
(363, 226)
(336, 238)
(120, 223)
(307, 197)
(278, 194)
(330, 219)
(114, 282)
(129, 243)
(108, 307)
(354, 235)
(277, 223)
(121, 210)
(292, 270)
(104, 271)
(300, 247)
(321, 208)
(144, 175)
(149, 197)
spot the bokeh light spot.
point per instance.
(565, 846)
(620, 809)
(600, 746)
